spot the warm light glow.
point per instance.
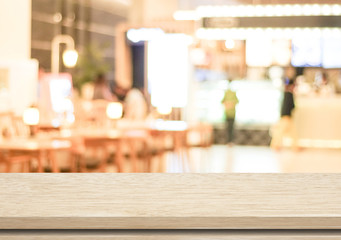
(144, 34)
(281, 52)
(230, 44)
(269, 10)
(164, 110)
(326, 10)
(316, 9)
(320, 143)
(186, 15)
(258, 52)
(307, 10)
(336, 9)
(70, 58)
(169, 125)
(198, 56)
(296, 10)
(259, 10)
(275, 33)
(259, 102)
(31, 116)
(163, 81)
(114, 110)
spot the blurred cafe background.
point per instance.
(148, 85)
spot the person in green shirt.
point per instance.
(230, 101)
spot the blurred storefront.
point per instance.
(182, 54)
(253, 44)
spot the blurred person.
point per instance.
(135, 105)
(302, 87)
(102, 95)
(286, 124)
(120, 92)
(102, 90)
(230, 101)
(326, 88)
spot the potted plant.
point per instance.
(91, 63)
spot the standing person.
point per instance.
(135, 105)
(230, 101)
(286, 124)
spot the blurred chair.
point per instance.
(12, 127)
(90, 113)
(20, 129)
(170, 141)
(200, 135)
(98, 114)
(138, 150)
(6, 125)
(6, 130)
(77, 161)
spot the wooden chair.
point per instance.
(139, 149)
(97, 149)
(89, 114)
(6, 125)
(11, 127)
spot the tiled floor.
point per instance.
(251, 159)
(240, 159)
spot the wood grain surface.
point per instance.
(170, 201)
(170, 235)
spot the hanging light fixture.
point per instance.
(70, 56)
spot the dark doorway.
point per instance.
(138, 64)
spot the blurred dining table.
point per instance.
(177, 130)
(132, 134)
(102, 138)
(36, 148)
(138, 140)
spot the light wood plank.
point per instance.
(170, 201)
(170, 235)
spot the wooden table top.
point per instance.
(169, 126)
(32, 144)
(106, 134)
(170, 201)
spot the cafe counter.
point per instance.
(317, 120)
